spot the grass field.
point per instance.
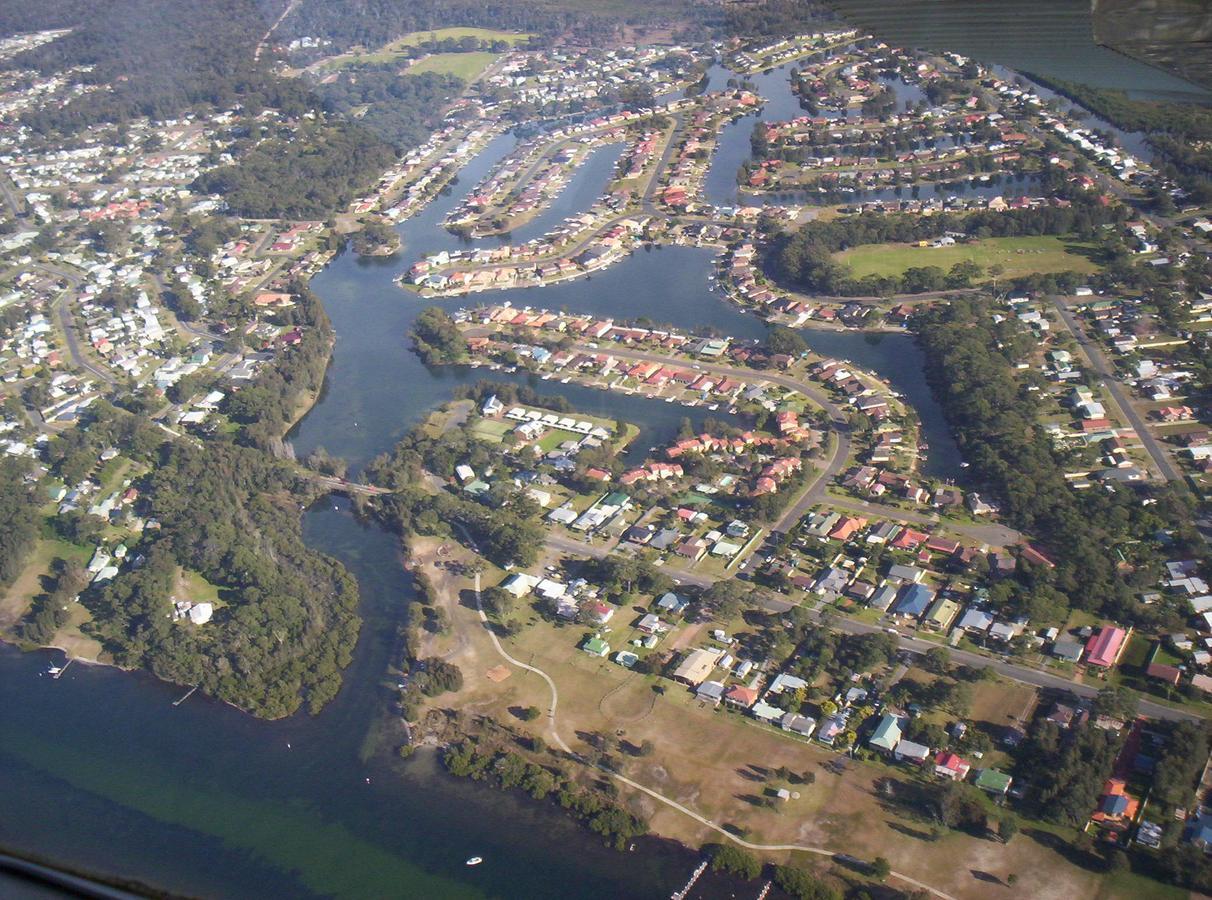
(397, 49)
(1018, 256)
(463, 65)
(482, 34)
(16, 600)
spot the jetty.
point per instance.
(188, 694)
(694, 876)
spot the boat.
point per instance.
(474, 861)
(53, 670)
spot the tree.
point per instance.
(937, 660)
(802, 884)
(733, 860)
(1007, 827)
(1117, 702)
(529, 713)
(783, 340)
(880, 868)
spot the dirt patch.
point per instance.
(497, 674)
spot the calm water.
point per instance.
(99, 770)
(1050, 37)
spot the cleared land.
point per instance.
(463, 65)
(1018, 256)
(398, 49)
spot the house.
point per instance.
(1161, 672)
(914, 600)
(1105, 645)
(797, 724)
(599, 612)
(993, 781)
(784, 681)
(595, 646)
(887, 733)
(200, 613)
(672, 603)
(740, 695)
(942, 613)
(949, 765)
(1116, 808)
(711, 691)
(1069, 651)
(911, 752)
(766, 713)
(975, 620)
(697, 665)
(651, 624)
(520, 584)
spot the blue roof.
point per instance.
(915, 600)
(1115, 805)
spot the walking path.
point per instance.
(668, 801)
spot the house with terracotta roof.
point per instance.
(739, 695)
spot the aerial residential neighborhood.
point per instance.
(768, 444)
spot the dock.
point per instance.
(188, 694)
(765, 890)
(694, 876)
(70, 660)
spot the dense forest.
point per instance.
(309, 174)
(400, 111)
(806, 257)
(288, 619)
(372, 23)
(18, 520)
(437, 339)
(994, 418)
(156, 58)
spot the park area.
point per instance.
(466, 66)
(1018, 256)
(404, 48)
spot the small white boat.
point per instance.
(53, 670)
(474, 861)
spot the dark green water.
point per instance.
(1049, 37)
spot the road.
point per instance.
(1098, 362)
(992, 534)
(1013, 671)
(67, 323)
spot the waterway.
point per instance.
(99, 770)
(1049, 37)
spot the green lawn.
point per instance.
(1017, 256)
(482, 34)
(397, 49)
(463, 65)
(491, 430)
